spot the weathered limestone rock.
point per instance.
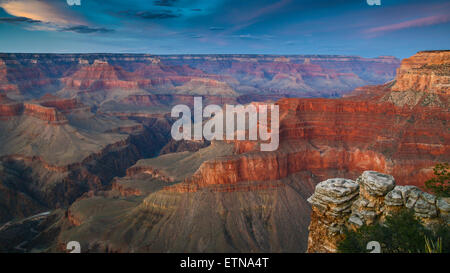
(331, 205)
(375, 183)
(370, 204)
(443, 206)
(342, 203)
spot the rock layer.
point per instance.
(427, 71)
(28, 75)
(339, 204)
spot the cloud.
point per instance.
(50, 11)
(50, 15)
(149, 15)
(14, 20)
(86, 29)
(426, 21)
(253, 37)
(246, 19)
(165, 3)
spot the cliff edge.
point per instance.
(339, 204)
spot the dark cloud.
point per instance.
(165, 3)
(86, 29)
(18, 20)
(149, 15)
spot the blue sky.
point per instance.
(351, 27)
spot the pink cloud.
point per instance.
(250, 18)
(426, 21)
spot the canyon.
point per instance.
(97, 150)
(99, 76)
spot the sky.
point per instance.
(344, 27)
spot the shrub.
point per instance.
(400, 233)
(440, 185)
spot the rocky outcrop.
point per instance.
(48, 108)
(339, 204)
(49, 114)
(331, 206)
(63, 105)
(427, 71)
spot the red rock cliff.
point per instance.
(427, 71)
(44, 113)
(340, 136)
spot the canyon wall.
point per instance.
(427, 71)
(29, 75)
(54, 149)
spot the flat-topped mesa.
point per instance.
(427, 71)
(49, 108)
(49, 114)
(233, 170)
(64, 105)
(339, 204)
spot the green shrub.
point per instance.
(400, 233)
(440, 185)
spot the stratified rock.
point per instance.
(334, 194)
(210, 74)
(377, 198)
(443, 205)
(427, 71)
(375, 183)
(331, 204)
(231, 196)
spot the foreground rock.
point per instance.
(339, 204)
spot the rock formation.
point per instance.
(31, 75)
(290, 75)
(427, 71)
(53, 150)
(227, 196)
(339, 204)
